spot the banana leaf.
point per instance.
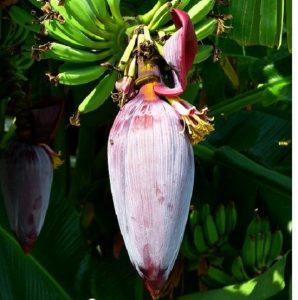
(50, 271)
(257, 22)
(259, 288)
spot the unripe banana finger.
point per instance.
(69, 54)
(68, 18)
(267, 245)
(205, 28)
(276, 246)
(193, 218)
(259, 250)
(249, 253)
(220, 219)
(23, 18)
(188, 250)
(200, 10)
(210, 231)
(254, 227)
(205, 211)
(221, 277)
(146, 18)
(75, 74)
(231, 217)
(159, 14)
(102, 14)
(199, 239)
(238, 271)
(116, 12)
(99, 94)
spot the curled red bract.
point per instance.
(179, 52)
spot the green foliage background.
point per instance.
(243, 161)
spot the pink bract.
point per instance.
(179, 52)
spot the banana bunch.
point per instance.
(88, 37)
(91, 36)
(17, 35)
(208, 231)
(260, 249)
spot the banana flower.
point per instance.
(26, 173)
(151, 160)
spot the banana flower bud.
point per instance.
(26, 175)
(151, 167)
(26, 172)
(151, 160)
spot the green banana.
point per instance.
(7, 33)
(23, 61)
(23, 18)
(219, 276)
(169, 29)
(165, 17)
(205, 211)
(254, 227)
(145, 18)
(116, 12)
(66, 53)
(54, 29)
(265, 225)
(210, 231)
(180, 4)
(80, 11)
(199, 239)
(21, 35)
(205, 28)
(75, 74)
(68, 18)
(193, 218)
(249, 253)
(259, 250)
(231, 217)
(238, 270)
(205, 51)
(276, 246)
(69, 34)
(102, 14)
(267, 245)
(200, 10)
(188, 250)
(220, 219)
(159, 14)
(99, 94)
(25, 64)
(16, 35)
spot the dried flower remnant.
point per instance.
(196, 122)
